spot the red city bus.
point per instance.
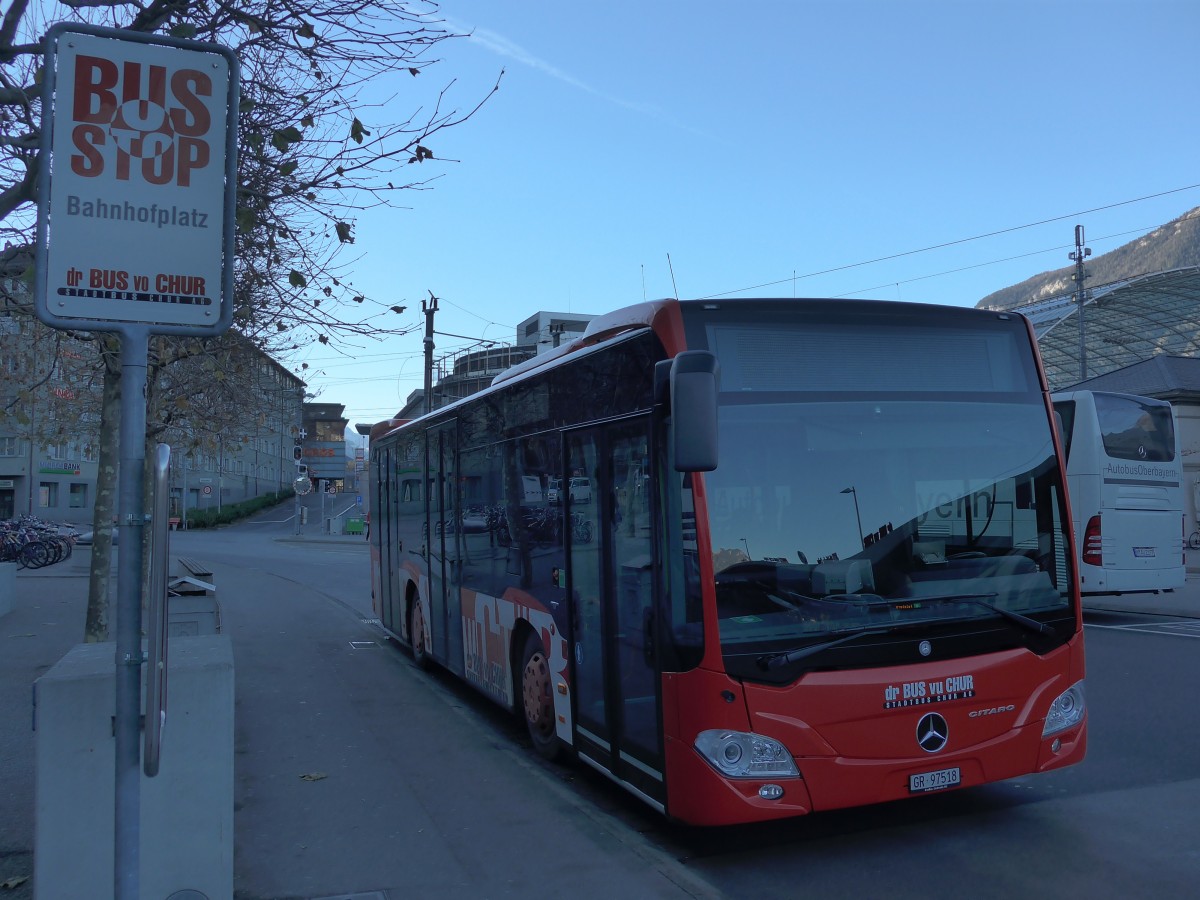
(816, 553)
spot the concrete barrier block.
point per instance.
(190, 615)
(186, 821)
(8, 587)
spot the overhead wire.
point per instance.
(992, 262)
(943, 245)
(795, 277)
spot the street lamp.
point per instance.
(857, 518)
(747, 546)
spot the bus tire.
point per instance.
(537, 699)
(416, 633)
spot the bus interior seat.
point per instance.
(843, 576)
(929, 553)
(982, 566)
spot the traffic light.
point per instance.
(297, 453)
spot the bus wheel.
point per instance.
(538, 701)
(416, 634)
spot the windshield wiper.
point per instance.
(979, 600)
(783, 659)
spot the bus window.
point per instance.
(1133, 430)
(1066, 415)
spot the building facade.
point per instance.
(323, 446)
(251, 456)
(49, 410)
(232, 418)
(469, 371)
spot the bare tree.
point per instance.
(317, 145)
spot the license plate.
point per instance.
(1143, 552)
(934, 781)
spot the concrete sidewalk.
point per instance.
(355, 775)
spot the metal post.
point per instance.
(857, 518)
(131, 517)
(1080, 295)
(429, 307)
(30, 439)
(220, 470)
(156, 605)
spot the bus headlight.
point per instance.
(739, 754)
(1066, 710)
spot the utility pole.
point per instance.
(556, 331)
(857, 518)
(429, 307)
(1080, 295)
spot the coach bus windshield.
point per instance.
(881, 482)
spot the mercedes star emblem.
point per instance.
(932, 732)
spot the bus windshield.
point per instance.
(888, 508)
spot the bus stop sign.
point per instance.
(137, 182)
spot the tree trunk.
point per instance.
(96, 628)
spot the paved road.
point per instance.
(1123, 824)
(425, 789)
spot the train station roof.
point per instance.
(1124, 322)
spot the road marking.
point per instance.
(1175, 629)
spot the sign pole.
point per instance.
(131, 517)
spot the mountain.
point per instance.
(1171, 246)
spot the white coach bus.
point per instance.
(1125, 481)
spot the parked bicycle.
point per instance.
(581, 529)
(34, 544)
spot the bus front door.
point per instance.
(445, 544)
(615, 667)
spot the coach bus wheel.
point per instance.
(416, 634)
(538, 701)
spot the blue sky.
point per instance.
(758, 140)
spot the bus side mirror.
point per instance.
(695, 377)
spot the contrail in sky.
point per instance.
(502, 46)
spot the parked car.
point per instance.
(580, 490)
(85, 538)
